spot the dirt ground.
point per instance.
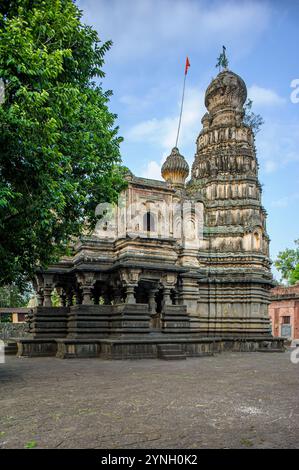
(232, 400)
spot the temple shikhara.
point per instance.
(178, 267)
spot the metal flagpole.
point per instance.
(182, 103)
(180, 119)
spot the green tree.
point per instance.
(287, 263)
(255, 121)
(294, 276)
(59, 146)
(55, 299)
(11, 296)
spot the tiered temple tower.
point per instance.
(234, 293)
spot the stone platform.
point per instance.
(124, 331)
(143, 348)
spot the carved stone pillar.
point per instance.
(38, 285)
(48, 288)
(47, 297)
(168, 281)
(86, 289)
(86, 280)
(166, 296)
(152, 306)
(130, 293)
(130, 278)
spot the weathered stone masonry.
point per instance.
(196, 276)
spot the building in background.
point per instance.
(13, 314)
(284, 311)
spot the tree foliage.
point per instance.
(255, 121)
(59, 147)
(287, 263)
(294, 276)
(55, 299)
(11, 296)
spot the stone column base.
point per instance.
(77, 348)
(49, 322)
(130, 319)
(175, 319)
(41, 347)
(89, 321)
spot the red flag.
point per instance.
(187, 65)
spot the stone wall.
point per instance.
(284, 291)
(13, 330)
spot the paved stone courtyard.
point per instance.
(242, 400)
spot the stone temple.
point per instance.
(178, 268)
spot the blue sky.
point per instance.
(145, 70)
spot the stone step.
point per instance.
(168, 347)
(170, 352)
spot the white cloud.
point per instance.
(277, 145)
(264, 96)
(150, 97)
(163, 131)
(270, 166)
(153, 170)
(158, 131)
(143, 27)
